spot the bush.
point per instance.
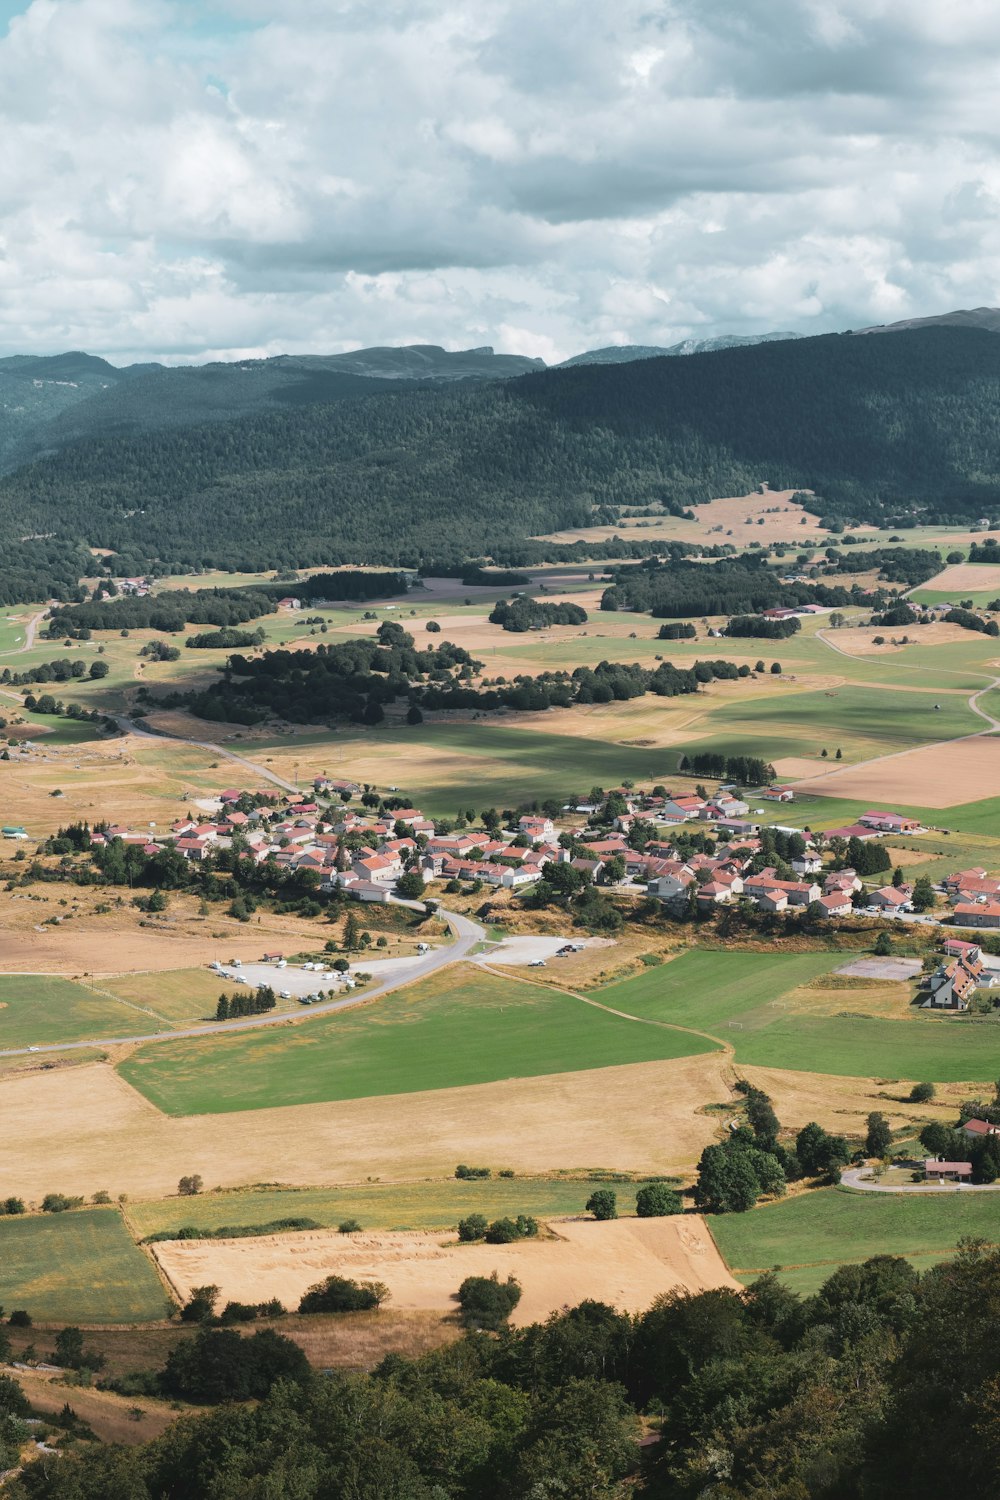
(921, 1093)
(349, 1226)
(506, 1231)
(58, 1203)
(603, 1204)
(487, 1302)
(470, 1174)
(657, 1201)
(472, 1228)
(19, 1318)
(339, 1294)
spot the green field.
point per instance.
(36, 1009)
(77, 1267)
(734, 995)
(390, 1205)
(811, 1235)
(460, 1027)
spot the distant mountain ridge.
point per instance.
(987, 318)
(622, 354)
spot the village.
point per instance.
(696, 855)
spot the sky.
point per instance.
(239, 178)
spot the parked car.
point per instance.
(537, 963)
(285, 994)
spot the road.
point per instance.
(29, 635)
(133, 726)
(467, 935)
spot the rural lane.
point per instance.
(467, 935)
(129, 726)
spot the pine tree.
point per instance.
(352, 933)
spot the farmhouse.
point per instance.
(777, 793)
(852, 831)
(536, 829)
(978, 1128)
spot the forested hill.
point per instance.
(895, 426)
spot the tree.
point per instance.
(487, 1302)
(413, 714)
(776, 669)
(69, 1348)
(657, 1201)
(820, 1154)
(411, 885)
(734, 1174)
(879, 1136)
(883, 944)
(99, 669)
(352, 933)
(897, 877)
(922, 1093)
(603, 1204)
(200, 1306)
(924, 897)
(189, 1186)
(472, 1228)
(339, 1294)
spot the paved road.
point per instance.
(467, 935)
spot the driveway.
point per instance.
(860, 1178)
(528, 950)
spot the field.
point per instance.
(457, 1028)
(77, 1267)
(436, 1204)
(809, 1236)
(38, 1009)
(626, 1263)
(755, 1003)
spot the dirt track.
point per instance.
(627, 1263)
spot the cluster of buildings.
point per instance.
(974, 897)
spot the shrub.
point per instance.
(19, 1318)
(472, 1228)
(469, 1174)
(487, 1302)
(339, 1294)
(603, 1204)
(921, 1093)
(349, 1226)
(58, 1203)
(657, 1201)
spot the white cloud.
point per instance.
(178, 180)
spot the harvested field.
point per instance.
(84, 1129)
(772, 516)
(860, 640)
(965, 578)
(627, 1263)
(934, 776)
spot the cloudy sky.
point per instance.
(240, 177)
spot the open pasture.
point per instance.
(931, 777)
(810, 1235)
(38, 1008)
(77, 1267)
(765, 1006)
(457, 1028)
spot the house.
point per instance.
(951, 987)
(978, 914)
(536, 829)
(957, 948)
(796, 892)
(379, 869)
(852, 831)
(806, 864)
(890, 822)
(290, 602)
(842, 880)
(947, 1171)
(976, 890)
(980, 1127)
(714, 892)
(961, 879)
(772, 901)
(891, 898)
(777, 793)
(195, 850)
(836, 904)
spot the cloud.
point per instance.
(181, 181)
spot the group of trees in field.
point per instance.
(752, 1162)
(168, 612)
(741, 586)
(744, 770)
(227, 637)
(523, 614)
(878, 1385)
(61, 670)
(249, 1002)
(756, 626)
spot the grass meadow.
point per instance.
(453, 1029)
(36, 1009)
(81, 1266)
(812, 1234)
(747, 999)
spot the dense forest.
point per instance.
(741, 586)
(882, 1385)
(519, 615)
(899, 429)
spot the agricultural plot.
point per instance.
(35, 1009)
(77, 1267)
(750, 1000)
(450, 1030)
(396, 1205)
(176, 996)
(809, 1236)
